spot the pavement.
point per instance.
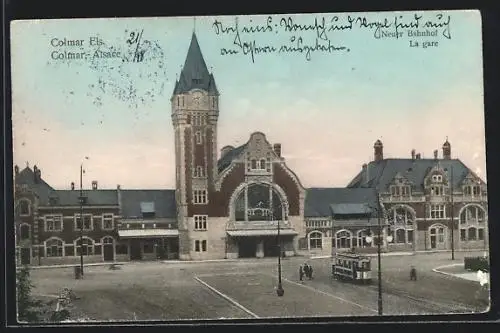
(185, 290)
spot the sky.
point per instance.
(326, 110)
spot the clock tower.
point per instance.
(195, 112)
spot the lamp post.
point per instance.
(81, 219)
(379, 254)
(279, 291)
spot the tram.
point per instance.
(352, 267)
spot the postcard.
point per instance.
(326, 165)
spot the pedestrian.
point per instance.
(310, 272)
(306, 269)
(301, 272)
(413, 274)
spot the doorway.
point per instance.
(247, 247)
(437, 237)
(271, 247)
(108, 250)
(25, 256)
(135, 250)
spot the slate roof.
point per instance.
(94, 197)
(41, 188)
(195, 74)
(348, 201)
(226, 160)
(381, 173)
(164, 203)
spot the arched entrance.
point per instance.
(108, 248)
(255, 209)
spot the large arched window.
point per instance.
(343, 239)
(315, 240)
(401, 221)
(437, 236)
(259, 202)
(362, 234)
(87, 248)
(472, 223)
(54, 247)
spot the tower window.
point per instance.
(200, 196)
(178, 101)
(198, 138)
(199, 171)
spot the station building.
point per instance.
(232, 203)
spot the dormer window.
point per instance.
(476, 191)
(437, 190)
(254, 164)
(148, 210)
(405, 191)
(395, 191)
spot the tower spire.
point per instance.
(194, 24)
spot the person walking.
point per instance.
(306, 269)
(301, 273)
(413, 274)
(310, 272)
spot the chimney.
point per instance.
(436, 154)
(72, 186)
(413, 154)
(417, 157)
(446, 150)
(16, 170)
(94, 184)
(277, 149)
(225, 150)
(119, 198)
(378, 148)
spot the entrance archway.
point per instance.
(108, 248)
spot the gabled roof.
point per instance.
(323, 202)
(226, 160)
(381, 173)
(163, 201)
(41, 188)
(195, 74)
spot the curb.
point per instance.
(85, 265)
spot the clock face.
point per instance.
(197, 99)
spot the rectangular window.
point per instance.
(200, 222)
(87, 222)
(204, 246)
(410, 236)
(437, 212)
(437, 190)
(467, 190)
(197, 246)
(395, 190)
(463, 235)
(480, 234)
(200, 196)
(476, 191)
(107, 222)
(53, 223)
(405, 191)
(254, 165)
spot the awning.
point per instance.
(263, 232)
(148, 233)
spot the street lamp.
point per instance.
(279, 291)
(379, 255)
(81, 217)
